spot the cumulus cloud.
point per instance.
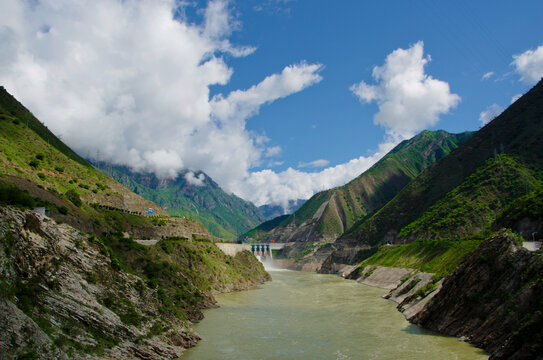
(490, 113)
(409, 100)
(529, 65)
(315, 164)
(269, 187)
(195, 180)
(128, 82)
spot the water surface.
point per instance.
(309, 316)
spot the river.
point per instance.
(302, 315)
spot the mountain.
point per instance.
(74, 281)
(464, 192)
(194, 195)
(273, 211)
(328, 214)
(34, 159)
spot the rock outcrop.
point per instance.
(494, 300)
(64, 295)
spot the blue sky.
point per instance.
(274, 99)
(465, 39)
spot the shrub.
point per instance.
(41, 176)
(73, 196)
(11, 195)
(59, 168)
(40, 156)
(34, 163)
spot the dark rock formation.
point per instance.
(64, 294)
(494, 300)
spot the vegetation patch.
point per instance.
(440, 256)
(476, 202)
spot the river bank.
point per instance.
(302, 315)
(492, 300)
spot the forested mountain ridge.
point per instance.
(473, 185)
(192, 194)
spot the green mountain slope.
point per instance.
(36, 160)
(444, 201)
(328, 214)
(14, 110)
(224, 215)
(75, 283)
(473, 205)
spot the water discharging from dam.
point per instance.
(309, 316)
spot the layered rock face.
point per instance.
(494, 300)
(63, 296)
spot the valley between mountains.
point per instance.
(100, 262)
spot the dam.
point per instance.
(260, 250)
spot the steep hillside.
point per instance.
(330, 213)
(224, 215)
(74, 283)
(67, 294)
(493, 300)
(30, 154)
(516, 132)
(473, 205)
(524, 216)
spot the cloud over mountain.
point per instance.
(129, 82)
(529, 65)
(490, 113)
(409, 100)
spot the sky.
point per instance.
(273, 99)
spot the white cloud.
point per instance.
(314, 164)
(273, 151)
(529, 65)
(268, 187)
(515, 98)
(241, 104)
(488, 75)
(409, 100)
(195, 180)
(490, 113)
(127, 82)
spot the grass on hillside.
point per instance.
(26, 155)
(11, 109)
(183, 271)
(528, 206)
(439, 256)
(474, 204)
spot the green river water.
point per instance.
(309, 316)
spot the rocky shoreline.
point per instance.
(64, 294)
(494, 299)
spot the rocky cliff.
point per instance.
(494, 300)
(67, 294)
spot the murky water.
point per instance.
(310, 316)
